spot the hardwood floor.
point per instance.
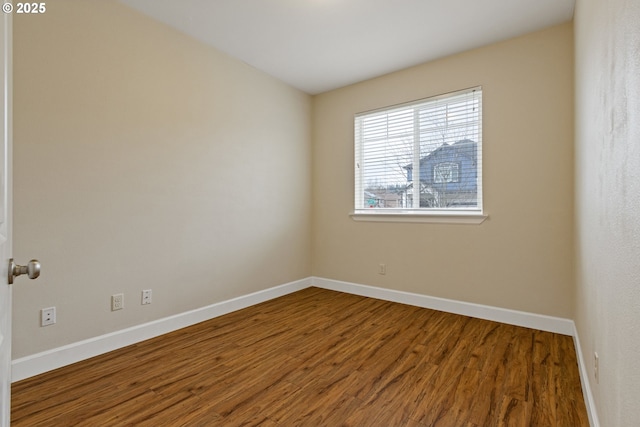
(319, 358)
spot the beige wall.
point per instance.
(521, 257)
(144, 159)
(135, 168)
(608, 202)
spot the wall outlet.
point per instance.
(596, 367)
(47, 316)
(382, 269)
(146, 297)
(117, 302)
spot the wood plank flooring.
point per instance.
(319, 358)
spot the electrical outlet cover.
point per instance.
(117, 302)
(47, 316)
(146, 297)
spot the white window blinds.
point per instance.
(421, 156)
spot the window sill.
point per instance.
(420, 217)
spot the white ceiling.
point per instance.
(319, 45)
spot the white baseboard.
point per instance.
(519, 318)
(38, 363)
(35, 364)
(29, 366)
(584, 379)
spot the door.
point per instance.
(5, 219)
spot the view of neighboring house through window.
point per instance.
(424, 156)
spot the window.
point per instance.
(421, 158)
(446, 172)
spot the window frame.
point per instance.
(474, 215)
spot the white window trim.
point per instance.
(433, 217)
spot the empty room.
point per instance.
(321, 213)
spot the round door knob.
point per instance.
(32, 270)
